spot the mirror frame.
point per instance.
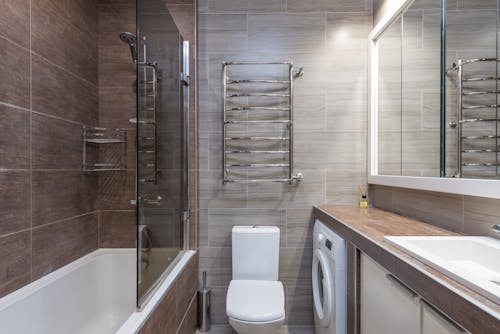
(470, 187)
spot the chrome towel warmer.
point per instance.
(267, 91)
(475, 97)
(149, 109)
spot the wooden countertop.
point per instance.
(366, 228)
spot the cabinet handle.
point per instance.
(442, 317)
(406, 290)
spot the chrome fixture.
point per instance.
(299, 73)
(275, 110)
(149, 105)
(496, 229)
(130, 39)
(115, 140)
(476, 150)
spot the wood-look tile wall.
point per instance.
(329, 39)
(48, 91)
(117, 104)
(468, 215)
(177, 312)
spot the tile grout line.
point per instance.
(6, 235)
(67, 219)
(74, 75)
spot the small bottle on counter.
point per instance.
(363, 202)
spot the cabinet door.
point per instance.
(435, 323)
(387, 306)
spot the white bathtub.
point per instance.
(95, 294)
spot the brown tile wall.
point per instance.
(467, 215)
(329, 129)
(48, 92)
(177, 312)
(117, 104)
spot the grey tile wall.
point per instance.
(329, 39)
(48, 92)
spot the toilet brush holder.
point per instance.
(204, 306)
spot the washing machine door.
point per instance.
(322, 281)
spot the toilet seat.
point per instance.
(255, 301)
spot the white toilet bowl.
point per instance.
(270, 327)
(255, 306)
(255, 302)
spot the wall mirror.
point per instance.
(434, 117)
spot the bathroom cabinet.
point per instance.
(387, 306)
(433, 322)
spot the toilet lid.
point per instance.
(255, 301)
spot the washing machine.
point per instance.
(329, 281)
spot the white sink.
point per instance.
(472, 261)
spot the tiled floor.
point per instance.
(225, 329)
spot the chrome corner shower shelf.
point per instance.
(477, 116)
(263, 102)
(104, 136)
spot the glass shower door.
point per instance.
(161, 165)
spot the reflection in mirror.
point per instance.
(409, 93)
(389, 100)
(420, 78)
(472, 90)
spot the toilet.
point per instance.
(255, 302)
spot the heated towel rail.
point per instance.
(149, 119)
(477, 117)
(258, 122)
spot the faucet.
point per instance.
(496, 229)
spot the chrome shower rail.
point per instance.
(485, 96)
(275, 104)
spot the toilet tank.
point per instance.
(256, 252)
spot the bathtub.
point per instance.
(95, 294)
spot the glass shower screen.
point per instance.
(161, 145)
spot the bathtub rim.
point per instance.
(137, 319)
(35, 286)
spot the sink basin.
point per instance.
(472, 261)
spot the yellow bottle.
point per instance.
(363, 202)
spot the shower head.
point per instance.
(130, 39)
